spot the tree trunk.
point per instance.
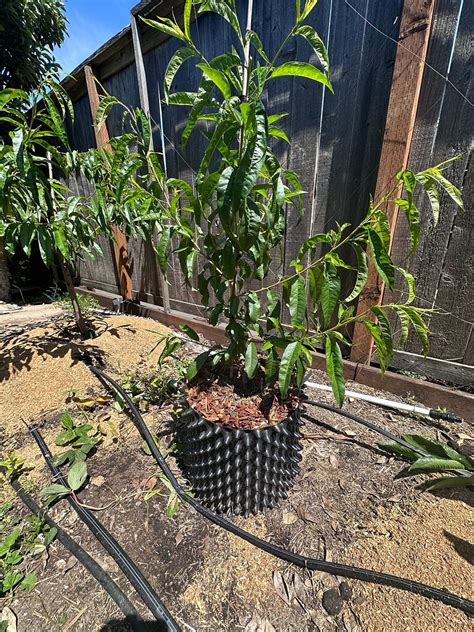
(4, 275)
(81, 323)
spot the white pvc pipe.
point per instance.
(387, 403)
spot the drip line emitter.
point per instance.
(271, 461)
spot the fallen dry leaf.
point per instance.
(281, 587)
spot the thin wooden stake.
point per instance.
(415, 29)
(122, 261)
(245, 77)
(145, 105)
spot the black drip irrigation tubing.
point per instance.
(84, 558)
(165, 621)
(313, 564)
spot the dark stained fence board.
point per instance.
(443, 265)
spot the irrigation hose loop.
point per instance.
(165, 621)
(378, 430)
(313, 564)
(107, 583)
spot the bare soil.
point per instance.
(347, 505)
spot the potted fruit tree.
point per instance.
(239, 433)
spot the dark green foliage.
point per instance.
(441, 458)
(29, 30)
(21, 542)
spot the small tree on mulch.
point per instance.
(233, 221)
(37, 166)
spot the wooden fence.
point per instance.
(336, 142)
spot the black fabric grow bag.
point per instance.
(236, 471)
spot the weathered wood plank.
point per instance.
(454, 373)
(120, 242)
(415, 30)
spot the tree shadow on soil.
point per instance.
(19, 352)
(464, 548)
(131, 625)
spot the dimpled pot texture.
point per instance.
(239, 471)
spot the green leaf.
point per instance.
(438, 448)
(60, 241)
(175, 63)
(330, 292)
(163, 249)
(226, 10)
(380, 344)
(302, 69)
(202, 99)
(106, 104)
(77, 475)
(398, 450)
(413, 218)
(287, 364)
(251, 359)
(45, 245)
(257, 43)
(271, 367)
(316, 43)
(189, 331)
(172, 344)
(308, 7)
(449, 482)
(335, 369)
(218, 78)
(197, 364)
(410, 279)
(55, 490)
(253, 307)
(386, 333)
(381, 258)
(433, 196)
(11, 579)
(9, 541)
(432, 463)
(166, 26)
(315, 282)
(188, 6)
(27, 231)
(278, 133)
(298, 301)
(9, 94)
(362, 272)
(249, 167)
(29, 581)
(419, 325)
(67, 422)
(64, 437)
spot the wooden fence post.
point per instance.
(415, 29)
(145, 105)
(102, 138)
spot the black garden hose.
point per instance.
(84, 558)
(313, 564)
(381, 431)
(165, 622)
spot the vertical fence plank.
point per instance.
(414, 35)
(145, 105)
(120, 242)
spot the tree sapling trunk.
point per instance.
(78, 315)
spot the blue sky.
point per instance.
(91, 23)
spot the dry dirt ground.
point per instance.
(346, 506)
